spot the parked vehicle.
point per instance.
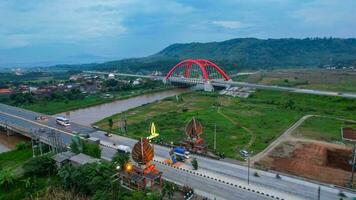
(108, 134)
(62, 121)
(244, 153)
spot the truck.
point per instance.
(180, 153)
(119, 148)
(123, 149)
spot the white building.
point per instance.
(111, 76)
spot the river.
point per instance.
(88, 116)
(9, 142)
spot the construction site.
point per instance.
(313, 160)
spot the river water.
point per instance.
(9, 142)
(88, 116)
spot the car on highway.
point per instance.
(41, 118)
(62, 121)
(108, 134)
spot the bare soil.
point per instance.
(322, 162)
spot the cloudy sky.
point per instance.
(64, 31)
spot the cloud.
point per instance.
(230, 24)
(68, 21)
(326, 12)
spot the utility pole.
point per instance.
(353, 165)
(319, 193)
(215, 138)
(248, 170)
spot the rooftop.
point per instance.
(60, 157)
(83, 159)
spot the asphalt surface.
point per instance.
(287, 187)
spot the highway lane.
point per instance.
(222, 169)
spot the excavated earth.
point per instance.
(328, 163)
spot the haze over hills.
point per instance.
(247, 53)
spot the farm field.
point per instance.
(251, 123)
(330, 80)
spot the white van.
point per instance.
(62, 121)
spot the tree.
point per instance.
(195, 164)
(7, 178)
(168, 189)
(40, 165)
(91, 149)
(76, 146)
(121, 159)
(290, 104)
(80, 146)
(111, 123)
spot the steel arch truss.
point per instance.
(207, 69)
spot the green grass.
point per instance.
(19, 190)
(321, 128)
(54, 107)
(13, 160)
(264, 114)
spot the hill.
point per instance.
(248, 53)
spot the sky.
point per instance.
(46, 32)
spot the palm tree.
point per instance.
(168, 189)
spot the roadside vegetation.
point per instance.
(251, 123)
(41, 179)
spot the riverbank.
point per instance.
(90, 115)
(55, 107)
(9, 142)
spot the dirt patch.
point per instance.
(321, 162)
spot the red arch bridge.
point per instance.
(198, 71)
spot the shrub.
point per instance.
(22, 145)
(7, 178)
(41, 165)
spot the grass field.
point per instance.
(330, 80)
(13, 160)
(251, 123)
(54, 107)
(322, 128)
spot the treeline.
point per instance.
(244, 53)
(20, 99)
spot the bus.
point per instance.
(62, 121)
